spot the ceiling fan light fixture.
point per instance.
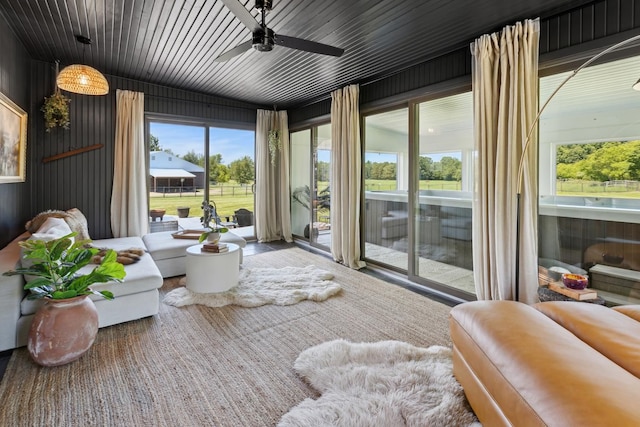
(263, 41)
(82, 79)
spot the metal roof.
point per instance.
(170, 173)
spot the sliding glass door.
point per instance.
(310, 185)
(417, 192)
(386, 188)
(321, 200)
(443, 234)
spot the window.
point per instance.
(589, 179)
(183, 168)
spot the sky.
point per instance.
(233, 144)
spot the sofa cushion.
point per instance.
(140, 277)
(163, 246)
(518, 365)
(611, 333)
(632, 311)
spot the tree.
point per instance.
(217, 171)
(323, 171)
(388, 171)
(192, 157)
(242, 170)
(426, 167)
(154, 143)
(451, 168)
(614, 161)
(572, 153)
(367, 169)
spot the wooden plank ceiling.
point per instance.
(174, 42)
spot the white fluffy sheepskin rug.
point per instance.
(260, 286)
(382, 384)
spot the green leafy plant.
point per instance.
(56, 111)
(275, 144)
(56, 264)
(302, 195)
(210, 221)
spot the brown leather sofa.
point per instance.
(551, 364)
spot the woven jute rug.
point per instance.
(228, 366)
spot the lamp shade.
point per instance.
(82, 79)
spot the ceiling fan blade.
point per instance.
(241, 48)
(308, 46)
(242, 14)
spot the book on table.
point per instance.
(577, 294)
(215, 247)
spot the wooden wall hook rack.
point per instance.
(71, 153)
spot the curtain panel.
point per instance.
(273, 204)
(346, 166)
(129, 208)
(505, 102)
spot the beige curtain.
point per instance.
(273, 211)
(129, 209)
(505, 101)
(346, 159)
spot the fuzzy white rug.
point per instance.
(383, 384)
(260, 286)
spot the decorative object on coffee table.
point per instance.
(211, 223)
(66, 325)
(575, 281)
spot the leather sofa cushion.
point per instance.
(537, 372)
(632, 311)
(611, 333)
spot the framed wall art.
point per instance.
(13, 141)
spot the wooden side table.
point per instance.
(212, 272)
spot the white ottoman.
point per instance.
(170, 254)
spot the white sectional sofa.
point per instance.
(136, 297)
(170, 254)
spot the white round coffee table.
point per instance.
(212, 272)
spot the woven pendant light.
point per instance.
(82, 79)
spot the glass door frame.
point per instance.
(435, 92)
(197, 122)
(313, 138)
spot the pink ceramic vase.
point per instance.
(63, 330)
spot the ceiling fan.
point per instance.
(264, 38)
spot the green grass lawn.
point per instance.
(390, 185)
(226, 204)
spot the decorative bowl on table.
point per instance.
(575, 281)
